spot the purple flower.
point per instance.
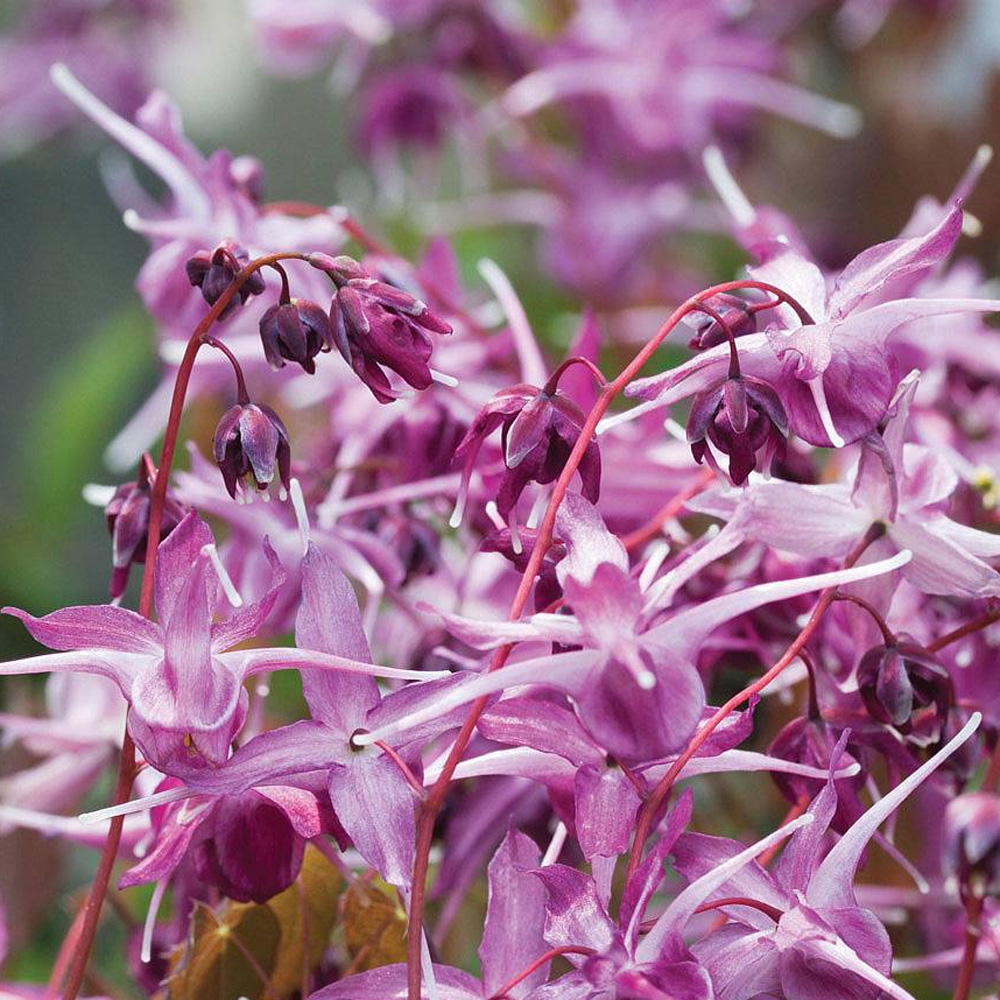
(898, 485)
(127, 514)
(377, 326)
(744, 419)
(971, 850)
(539, 430)
(899, 679)
(297, 331)
(633, 679)
(807, 936)
(181, 676)
(214, 271)
(834, 373)
(250, 446)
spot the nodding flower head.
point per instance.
(971, 851)
(378, 326)
(539, 430)
(213, 272)
(250, 446)
(127, 513)
(743, 417)
(297, 331)
(898, 679)
(737, 316)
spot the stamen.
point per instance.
(228, 587)
(159, 891)
(301, 514)
(97, 494)
(494, 515)
(726, 187)
(442, 379)
(555, 847)
(823, 409)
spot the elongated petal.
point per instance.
(939, 566)
(253, 661)
(171, 846)
(119, 667)
(573, 912)
(676, 915)
(329, 620)
(567, 671)
(248, 620)
(375, 806)
(542, 725)
(840, 956)
(93, 627)
(273, 758)
(588, 542)
(174, 559)
(683, 633)
(515, 917)
(832, 883)
(489, 635)
(873, 270)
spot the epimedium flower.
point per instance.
(799, 931)
(896, 484)
(295, 330)
(371, 797)
(127, 514)
(377, 326)
(829, 361)
(251, 446)
(181, 676)
(539, 428)
(631, 674)
(214, 271)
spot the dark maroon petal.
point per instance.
(734, 402)
(528, 430)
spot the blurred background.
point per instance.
(77, 350)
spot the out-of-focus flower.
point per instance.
(971, 850)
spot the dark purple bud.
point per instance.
(734, 312)
(378, 326)
(213, 272)
(547, 587)
(250, 850)
(250, 446)
(743, 417)
(539, 431)
(295, 331)
(127, 514)
(971, 849)
(896, 681)
(340, 269)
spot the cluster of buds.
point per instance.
(214, 271)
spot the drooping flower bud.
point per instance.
(248, 174)
(734, 312)
(743, 417)
(127, 514)
(378, 326)
(539, 430)
(971, 849)
(213, 272)
(250, 446)
(296, 331)
(897, 680)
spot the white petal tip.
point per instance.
(97, 494)
(449, 380)
(646, 680)
(983, 156)
(844, 122)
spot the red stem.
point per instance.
(987, 618)
(127, 762)
(501, 994)
(771, 911)
(411, 778)
(241, 387)
(887, 634)
(669, 510)
(432, 804)
(553, 382)
(973, 911)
